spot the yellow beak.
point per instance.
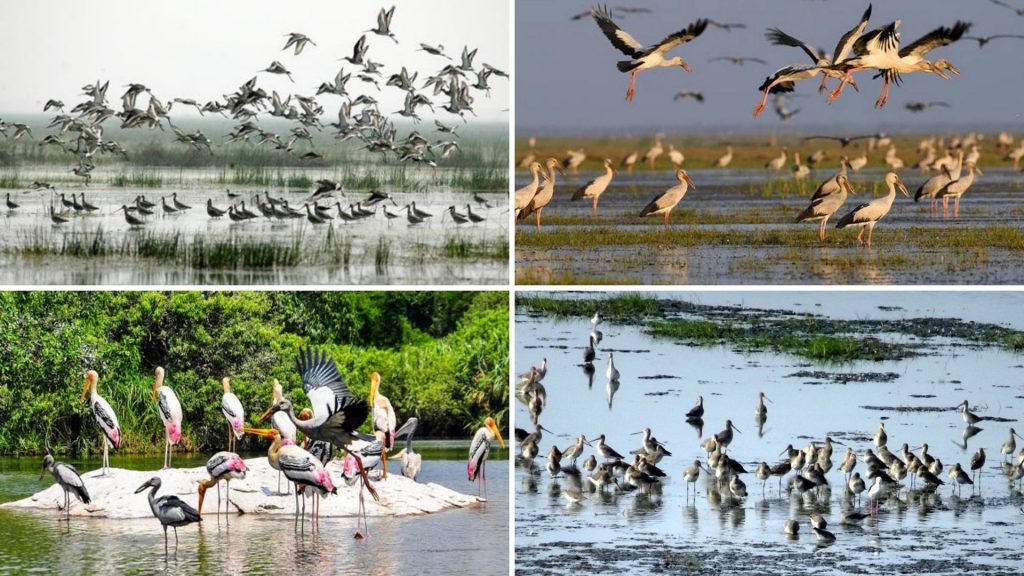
(85, 388)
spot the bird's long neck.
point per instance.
(152, 500)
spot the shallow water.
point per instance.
(712, 533)
(475, 542)
(994, 199)
(416, 251)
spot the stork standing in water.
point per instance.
(225, 466)
(232, 409)
(69, 480)
(664, 203)
(525, 194)
(868, 214)
(384, 420)
(544, 195)
(169, 509)
(479, 448)
(592, 190)
(104, 416)
(643, 58)
(823, 207)
(170, 412)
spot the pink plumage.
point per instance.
(174, 432)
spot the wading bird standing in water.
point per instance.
(478, 451)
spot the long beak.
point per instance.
(978, 170)
(265, 415)
(736, 429)
(85, 388)
(1018, 435)
(903, 188)
(849, 187)
(768, 399)
(690, 182)
(497, 433)
(143, 487)
(264, 432)
(635, 433)
(954, 69)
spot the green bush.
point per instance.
(443, 357)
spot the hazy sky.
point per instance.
(204, 49)
(567, 80)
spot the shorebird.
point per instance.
(664, 203)
(760, 410)
(384, 24)
(688, 95)
(69, 480)
(697, 412)
(299, 41)
(525, 194)
(777, 163)
(612, 372)
(868, 214)
(959, 477)
(543, 196)
(605, 451)
(1011, 444)
(642, 58)
(724, 160)
(969, 417)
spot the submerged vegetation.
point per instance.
(810, 336)
(443, 357)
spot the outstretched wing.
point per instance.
(617, 36)
(846, 43)
(780, 38)
(886, 39)
(333, 403)
(941, 36)
(681, 37)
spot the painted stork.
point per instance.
(283, 424)
(478, 451)
(592, 190)
(868, 214)
(663, 204)
(169, 509)
(384, 420)
(298, 465)
(337, 413)
(225, 466)
(232, 409)
(170, 412)
(68, 479)
(642, 58)
(879, 50)
(104, 415)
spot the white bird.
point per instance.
(592, 190)
(526, 193)
(170, 413)
(612, 372)
(776, 164)
(663, 204)
(868, 214)
(956, 189)
(231, 408)
(930, 189)
(104, 415)
(642, 58)
(800, 171)
(824, 206)
(725, 159)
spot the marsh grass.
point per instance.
(936, 237)
(12, 180)
(141, 179)
(626, 307)
(382, 257)
(455, 247)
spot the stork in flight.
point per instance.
(643, 58)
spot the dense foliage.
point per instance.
(443, 357)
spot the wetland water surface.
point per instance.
(736, 227)
(664, 532)
(475, 539)
(371, 251)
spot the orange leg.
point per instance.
(821, 231)
(945, 207)
(632, 86)
(842, 84)
(593, 208)
(871, 230)
(884, 96)
(537, 217)
(760, 107)
(665, 220)
(860, 235)
(956, 207)
(824, 84)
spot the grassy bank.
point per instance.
(443, 357)
(805, 335)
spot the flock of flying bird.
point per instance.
(857, 50)
(331, 424)
(80, 131)
(607, 473)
